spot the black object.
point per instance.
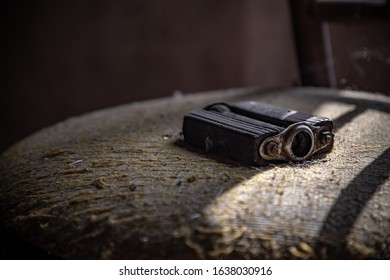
(255, 133)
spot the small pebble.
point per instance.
(191, 179)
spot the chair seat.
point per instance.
(120, 183)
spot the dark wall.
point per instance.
(343, 44)
(64, 58)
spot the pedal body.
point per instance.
(256, 133)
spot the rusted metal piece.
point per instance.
(256, 133)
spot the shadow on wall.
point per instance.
(65, 58)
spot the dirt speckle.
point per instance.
(191, 179)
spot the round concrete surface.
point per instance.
(121, 183)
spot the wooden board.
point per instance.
(121, 183)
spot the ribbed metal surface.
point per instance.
(237, 122)
(276, 115)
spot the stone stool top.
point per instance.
(121, 183)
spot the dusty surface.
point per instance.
(120, 183)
